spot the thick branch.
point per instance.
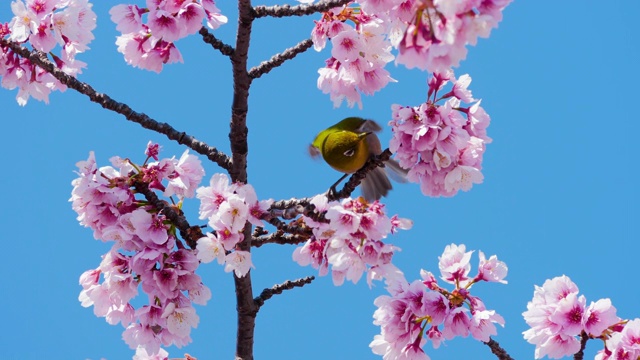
(298, 10)
(40, 59)
(266, 294)
(358, 176)
(499, 352)
(210, 39)
(189, 233)
(241, 83)
(279, 59)
(238, 134)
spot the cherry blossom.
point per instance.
(421, 311)
(429, 35)
(43, 25)
(150, 44)
(146, 255)
(441, 145)
(350, 241)
(557, 315)
(358, 55)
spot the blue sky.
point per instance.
(559, 197)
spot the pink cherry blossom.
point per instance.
(415, 313)
(454, 263)
(210, 248)
(211, 197)
(491, 270)
(557, 315)
(127, 17)
(187, 175)
(435, 34)
(599, 316)
(145, 255)
(142, 354)
(149, 42)
(350, 241)
(358, 56)
(180, 320)
(626, 343)
(239, 262)
(441, 145)
(148, 227)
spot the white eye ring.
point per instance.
(349, 152)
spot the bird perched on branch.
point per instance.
(346, 147)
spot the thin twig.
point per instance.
(298, 10)
(583, 344)
(189, 233)
(499, 352)
(278, 289)
(40, 59)
(217, 44)
(291, 228)
(279, 59)
(355, 179)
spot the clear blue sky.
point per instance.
(560, 194)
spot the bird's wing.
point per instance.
(314, 151)
(395, 171)
(369, 126)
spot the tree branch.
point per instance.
(285, 204)
(499, 352)
(298, 10)
(189, 233)
(40, 59)
(241, 83)
(238, 132)
(279, 237)
(583, 344)
(210, 39)
(279, 59)
(267, 294)
(355, 179)
(291, 228)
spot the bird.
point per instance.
(346, 147)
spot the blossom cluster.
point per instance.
(422, 310)
(227, 208)
(435, 33)
(429, 35)
(44, 24)
(358, 55)
(441, 144)
(150, 44)
(145, 253)
(350, 240)
(557, 315)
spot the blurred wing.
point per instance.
(375, 185)
(395, 172)
(369, 126)
(314, 151)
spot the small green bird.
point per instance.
(346, 147)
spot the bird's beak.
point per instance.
(363, 135)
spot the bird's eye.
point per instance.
(349, 152)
